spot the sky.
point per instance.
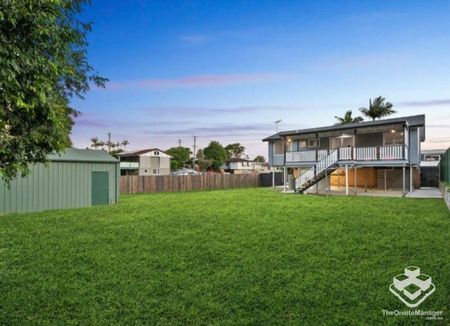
(227, 70)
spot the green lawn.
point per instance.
(233, 257)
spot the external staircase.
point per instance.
(317, 172)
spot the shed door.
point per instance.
(100, 191)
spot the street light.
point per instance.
(276, 124)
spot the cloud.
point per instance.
(360, 61)
(438, 126)
(436, 102)
(197, 81)
(196, 38)
(215, 130)
(205, 111)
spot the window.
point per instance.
(156, 153)
(154, 171)
(313, 142)
(301, 144)
(278, 148)
(291, 146)
(432, 157)
(342, 141)
(392, 138)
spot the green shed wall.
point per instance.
(55, 186)
(444, 166)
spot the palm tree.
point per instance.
(347, 118)
(378, 108)
(125, 143)
(95, 142)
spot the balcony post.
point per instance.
(346, 179)
(411, 188)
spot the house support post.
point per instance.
(411, 188)
(385, 181)
(284, 178)
(327, 181)
(346, 180)
(404, 177)
(355, 179)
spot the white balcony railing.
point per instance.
(391, 152)
(366, 153)
(302, 156)
(394, 152)
(345, 153)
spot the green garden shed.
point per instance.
(73, 178)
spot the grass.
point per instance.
(249, 256)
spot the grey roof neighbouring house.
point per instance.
(413, 121)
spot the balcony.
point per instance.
(377, 153)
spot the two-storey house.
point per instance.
(380, 154)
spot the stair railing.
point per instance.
(318, 168)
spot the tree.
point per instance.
(216, 154)
(203, 163)
(180, 157)
(348, 118)
(95, 142)
(235, 150)
(378, 108)
(43, 65)
(260, 159)
(125, 143)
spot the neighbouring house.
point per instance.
(429, 167)
(74, 178)
(151, 161)
(381, 154)
(243, 166)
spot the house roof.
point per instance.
(82, 155)
(140, 152)
(413, 121)
(237, 159)
(433, 151)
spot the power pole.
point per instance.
(109, 142)
(195, 153)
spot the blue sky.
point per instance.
(226, 70)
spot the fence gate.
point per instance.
(429, 176)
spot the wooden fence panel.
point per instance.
(133, 184)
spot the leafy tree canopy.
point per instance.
(234, 150)
(260, 159)
(202, 162)
(43, 65)
(216, 154)
(180, 157)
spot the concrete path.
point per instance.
(425, 193)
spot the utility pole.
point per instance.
(195, 153)
(109, 142)
(179, 142)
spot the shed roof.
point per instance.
(82, 155)
(413, 121)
